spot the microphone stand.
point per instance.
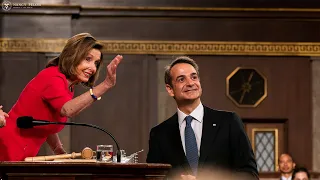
(87, 125)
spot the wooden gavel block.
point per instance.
(86, 153)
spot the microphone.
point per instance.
(27, 122)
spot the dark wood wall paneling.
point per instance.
(193, 29)
(128, 110)
(289, 95)
(150, 24)
(17, 69)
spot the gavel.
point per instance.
(86, 153)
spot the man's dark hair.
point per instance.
(288, 154)
(178, 60)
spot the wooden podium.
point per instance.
(51, 170)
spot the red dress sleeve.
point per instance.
(56, 93)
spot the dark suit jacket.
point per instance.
(225, 145)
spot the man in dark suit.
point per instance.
(198, 139)
(286, 166)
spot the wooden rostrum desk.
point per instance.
(51, 170)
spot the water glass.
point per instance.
(104, 153)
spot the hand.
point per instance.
(188, 177)
(3, 117)
(59, 150)
(111, 71)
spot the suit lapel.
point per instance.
(209, 132)
(176, 145)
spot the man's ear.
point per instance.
(169, 90)
(294, 165)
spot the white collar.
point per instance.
(197, 114)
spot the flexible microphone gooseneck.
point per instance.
(27, 122)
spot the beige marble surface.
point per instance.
(315, 65)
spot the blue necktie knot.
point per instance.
(188, 120)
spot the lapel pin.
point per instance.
(214, 124)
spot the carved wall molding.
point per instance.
(171, 47)
(31, 45)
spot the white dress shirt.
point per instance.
(196, 125)
(284, 178)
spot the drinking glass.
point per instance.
(104, 153)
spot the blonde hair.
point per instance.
(76, 49)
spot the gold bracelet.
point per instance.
(93, 96)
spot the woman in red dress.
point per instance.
(49, 96)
